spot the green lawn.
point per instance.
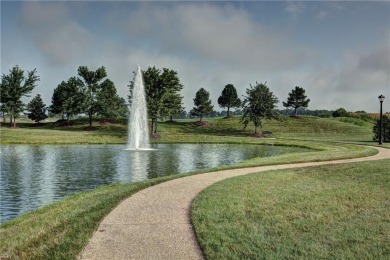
(325, 212)
(218, 130)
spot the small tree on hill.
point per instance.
(259, 104)
(341, 112)
(229, 98)
(296, 99)
(36, 109)
(13, 87)
(202, 104)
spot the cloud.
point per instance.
(295, 8)
(60, 39)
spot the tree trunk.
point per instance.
(155, 126)
(171, 118)
(152, 127)
(90, 119)
(228, 114)
(295, 111)
(200, 120)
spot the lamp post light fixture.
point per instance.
(381, 99)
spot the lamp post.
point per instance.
(381, 98)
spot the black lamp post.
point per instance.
(381, 98)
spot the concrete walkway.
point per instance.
(155, 222)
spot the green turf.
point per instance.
(326, 212)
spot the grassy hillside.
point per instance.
(218, 130)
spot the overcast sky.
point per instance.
(339, 52)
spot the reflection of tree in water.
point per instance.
(33, 176)
(11, 188)
(84, 168)
(163, 162)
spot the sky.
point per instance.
(338, 51)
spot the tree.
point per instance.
(259, 104)
(160, 85)
(13, 87)
(172, 105)
(90, 81)
(68, 98)
(36, 109)
(202, 104)
(229, 98)
(108, 103)
(341, 112)
(296, 99)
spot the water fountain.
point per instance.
(138, 133)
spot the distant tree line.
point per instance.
(92, 94)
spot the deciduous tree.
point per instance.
(259, 104)
(90, 80)
(160, 85)
(68, 98)
(13, 87)
(109, 104)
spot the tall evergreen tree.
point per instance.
(296, 99)
(13, 87)
(385, 129)
(259, 104)
(90, 80)
(202, 104)
(36, 109)
(229, 98)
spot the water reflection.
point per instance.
(36, 175)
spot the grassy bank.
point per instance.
(339, 212)
(61, 230)
(218, 130)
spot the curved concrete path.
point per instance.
(155, 222)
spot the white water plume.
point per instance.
(138, 133)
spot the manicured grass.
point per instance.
(337, 212)
(219, 129)
(61, 230)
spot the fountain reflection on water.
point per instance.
(138, 134)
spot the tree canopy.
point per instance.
(90, 81)
(259, 104)
(13, 87)
(68, 98)
(296, 99)
(108, 103)
(202, 104)
(229, 98)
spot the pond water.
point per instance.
(36, 175)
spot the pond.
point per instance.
(36, 175)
